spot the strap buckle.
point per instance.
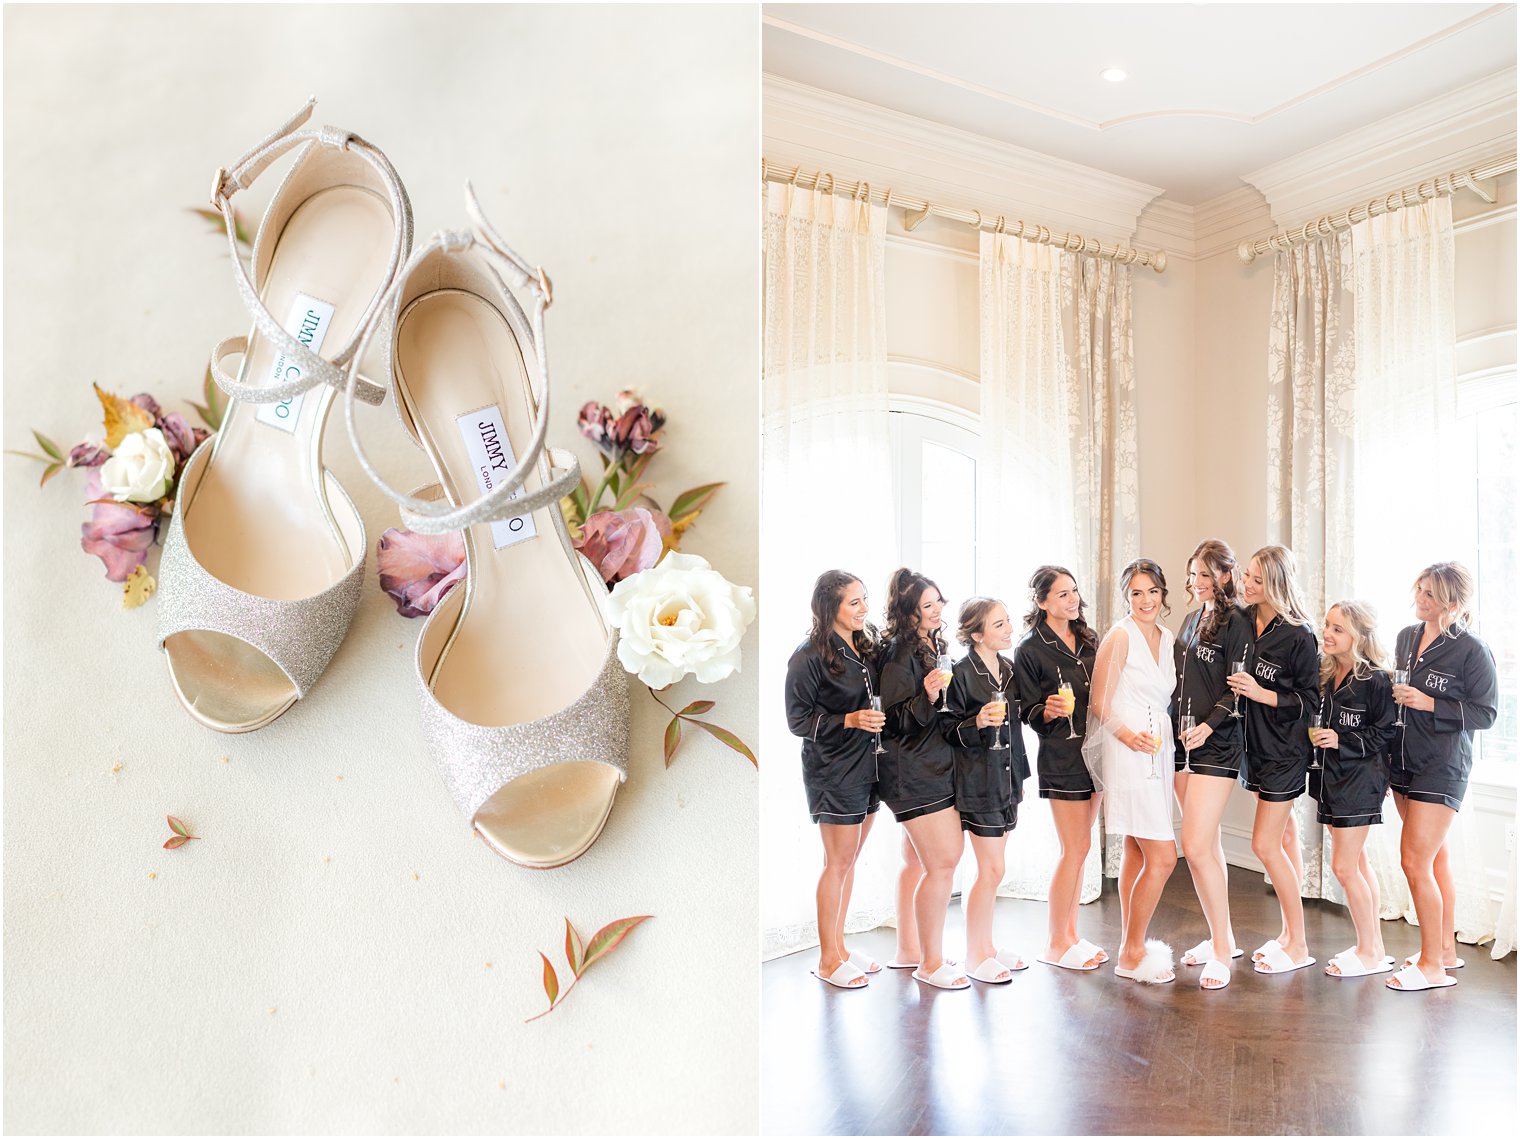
(545, 287)
(218, 188)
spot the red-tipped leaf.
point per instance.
(609, 937)
(177, 826)
(724, 736)
(672, 739)
(551, 981)
(176, 842)
(575, 952)
(693, 499)
(697, 707)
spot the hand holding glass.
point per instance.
(876, 707)
(999, 709)
(1400, 677)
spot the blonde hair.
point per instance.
(1367, 655)
(1452, 586)
(973, 618)
(1280, 583)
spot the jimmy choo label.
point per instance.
(308, 322)
(485, 438)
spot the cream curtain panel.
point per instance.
(1058, 439)
(827, 502)
(1361, 399)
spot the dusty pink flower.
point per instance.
(147, 403)
(181, 437)
(119, 534)
(624, 543)
(418, 569)
(631, 426)
(635, 430)
(595, 422)
(89, 454)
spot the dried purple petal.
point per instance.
(88, 454)
(621, 544)
(147, 403)
(595, 423)
(417, 570)
(179, 435)
(119, 534)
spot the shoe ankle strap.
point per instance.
(314, 368)
(505, 499)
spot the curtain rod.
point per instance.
(1409, 196)
(917, 210)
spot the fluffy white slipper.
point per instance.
(1012, 961)
(1350, 965)
(843, 977)
(942, 978)
(1076, 958)
(1155, 967)
(1265, 949)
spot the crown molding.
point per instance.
(858, 140)
(1169, 225)
(1459, 128)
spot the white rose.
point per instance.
(140, 469)
(678, 618)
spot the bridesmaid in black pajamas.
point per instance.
(1053, 665)
(1209, 757)
(1452, 692)
(1355, 723)
(990, 769)
(829, 684)
(1280, 691)
(918, 775)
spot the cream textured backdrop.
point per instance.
(319, 962)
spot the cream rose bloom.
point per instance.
(140, 469)
(679, 618)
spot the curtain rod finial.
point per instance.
(1247, 251)
(1158, 261)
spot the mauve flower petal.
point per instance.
(88, 454)
(147, 403)
(420, 605)
(119, 536)
(414, 566)
(178, 434)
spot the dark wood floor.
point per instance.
(1063, 1053)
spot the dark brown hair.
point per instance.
(904, 591)
(1151, 570)
(1040, 585)
(828, 594)
(973, 618)
(1216, 557)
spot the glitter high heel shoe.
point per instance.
(524, 703)
(264, 553)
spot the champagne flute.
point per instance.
(1401, 676)
(1318, 723)
(1068, 697)
(1185, 724)
(876, 707)
(946, 666)
(1238, 666)
(1000, 710)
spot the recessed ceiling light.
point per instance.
(1114, 74)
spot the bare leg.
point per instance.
(849, 879)
(1131, 862)
(1157, 858)
(1348, 857)
(938, 840)
(1073, 822)
(1425, 827)
(1267, 844)
(1202, 812)
(841, 844)
(907, 885)
(1448, 887)
(982, 898)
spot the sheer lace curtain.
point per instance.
(826, 503)
(1058, 439)
(1361, 397)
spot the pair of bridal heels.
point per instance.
(265, 552)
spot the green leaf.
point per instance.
(625, 500)
(723, 735)
(176, 842)
(551, 981)
(575, 952)
(28, 455)
(177, 826)
(213, 410)
(239, 232)
(609, 937)
(697, 707)
(49, 447)
(52, 469)
(693, 499)
(636, 468)
(672, 738)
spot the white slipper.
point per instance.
(1414, 959)
(864, 962)
(992, 972)
(1265, 949)
(896, 964)
(1203, 953)
(842, 977)
(1350, 965)
(1155, 967)
(1278, 961)
(1214, 970)
(1012, 962)
(1075, 958)
(1093, 950)
(942, 978)
(1411, 980)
